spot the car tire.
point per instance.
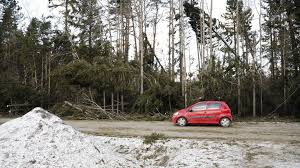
(225, 122)
(181, 122)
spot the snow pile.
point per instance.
(41, 139)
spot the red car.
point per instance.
(206, 112)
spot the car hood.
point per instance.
(182, 111)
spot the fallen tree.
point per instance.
(88, 108)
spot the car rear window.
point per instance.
(213, 106)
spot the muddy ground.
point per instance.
(261, 131)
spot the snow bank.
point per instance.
(41, 139)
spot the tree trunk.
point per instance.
(104, 100)
(260, 57)
(110, 34)
(181, 47)
(199, 39)
(144, 15)
(141, 46)
(66, 16)
(169, 44)
(199, 56)
(49, 75)
(35, 72)
(42, 73)
(112, 102)
(295, 54)
(46, 71)
(284, 70)
(90, 41)
(155, 26)
(203, 37)
(136, 58)
(122, 102)
(253, 79)
(210, 38)
(118, 102)
(122, 35)
(182, 54)
(173, 42)
(119, 34)
(170, 105)
(272, 56)
(127, 31)
(238, 62)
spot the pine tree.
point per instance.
(69, 12)
(9, 35)
(90, 27)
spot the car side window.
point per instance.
(199, 107)
(213, 106)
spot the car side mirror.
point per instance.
(190, 110)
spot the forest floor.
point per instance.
(262, 131)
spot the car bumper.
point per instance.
(174, 119)
(231, 118)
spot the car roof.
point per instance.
(211, 101)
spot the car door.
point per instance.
(213, 110)
(197, 113)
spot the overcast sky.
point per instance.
(37, 8)
(34, 8)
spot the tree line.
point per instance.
(104, 53)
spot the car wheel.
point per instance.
(225, 122)
(181, 122)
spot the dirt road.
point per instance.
(263, 131)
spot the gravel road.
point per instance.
(262, 131)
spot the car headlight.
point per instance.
(176, 113)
